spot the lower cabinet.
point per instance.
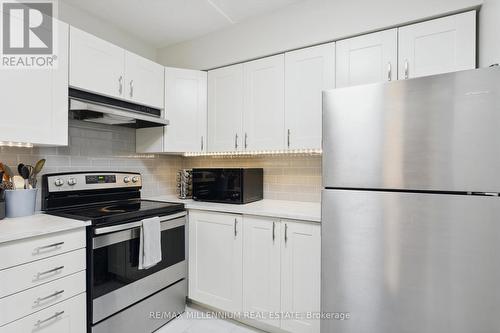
(215, 259)
(264, 266)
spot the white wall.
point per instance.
(86, 21)
(317, 21)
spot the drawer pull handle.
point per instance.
(53, 270)
(57, 314)
(48, 246)
(40, 299)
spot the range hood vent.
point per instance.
(106, 110)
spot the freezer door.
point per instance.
(433, 133)
(410, 262)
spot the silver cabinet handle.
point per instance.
(407, 74)
(202, 143)
(57, 314)
(55, 294)
(286, 233)
(236, 141)
(55, 245)
(389, 71)
(131, 88)
(274, 228)
(246, 136)
(120, 84)
(288, 138)
(53, 270)
(235, 227)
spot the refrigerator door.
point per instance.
(410, 262)
(434, 133)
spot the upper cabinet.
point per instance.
(35, 101)
(308, 72)
(367, 59)
(96, 65)
(438, 46)
(263, 110)
(186, 109)
(103, 68)
(225, 108)
(144, 81)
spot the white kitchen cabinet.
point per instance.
(261, 266)
(35, 101)
(225, 108)
(308, 72)
(96, 65)
(437, 46)
(367, 59)
(103, 68)
(215, 259)
(69, 316)
(300, 274)
(263, 106)
(144, 81)
(186, 109)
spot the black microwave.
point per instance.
(237, 186)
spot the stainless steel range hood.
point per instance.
(105, 110)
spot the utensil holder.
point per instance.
(20, 202)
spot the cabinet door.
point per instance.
(307, 73)
(300, 274)
(263, 113)
(261, 266)
(144, 81)
(96, 65)
(225, 108)
(186, 109)
(215, 259)
(35, 101)
(367, 59)
(438, 46)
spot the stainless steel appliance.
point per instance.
(120, 296)
(410, 206)
(185, 183)
(106, 110)
(235, 186)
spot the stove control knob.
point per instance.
(72, 181)
(126, 179)
(135, 179)
(59, 182)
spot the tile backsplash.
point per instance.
(98, 147)
(286, 177)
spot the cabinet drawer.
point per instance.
(31, 249)
(40, 297)
(64, 317)
(30, 275)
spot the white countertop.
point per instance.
(295, 210)
(35, 225)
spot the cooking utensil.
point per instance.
(8, 174)
(36, 170)
(18, 182)
(20, 168)
(25, 173)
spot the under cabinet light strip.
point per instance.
(16, 144)
(256, 153)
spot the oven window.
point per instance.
(115, 265)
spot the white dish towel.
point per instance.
(150, 243)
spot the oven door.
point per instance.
(115, 280)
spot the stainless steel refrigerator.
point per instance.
(410, 205)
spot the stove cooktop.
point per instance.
(120, 211)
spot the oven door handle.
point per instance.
(131, 225)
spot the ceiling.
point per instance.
(165, 22)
